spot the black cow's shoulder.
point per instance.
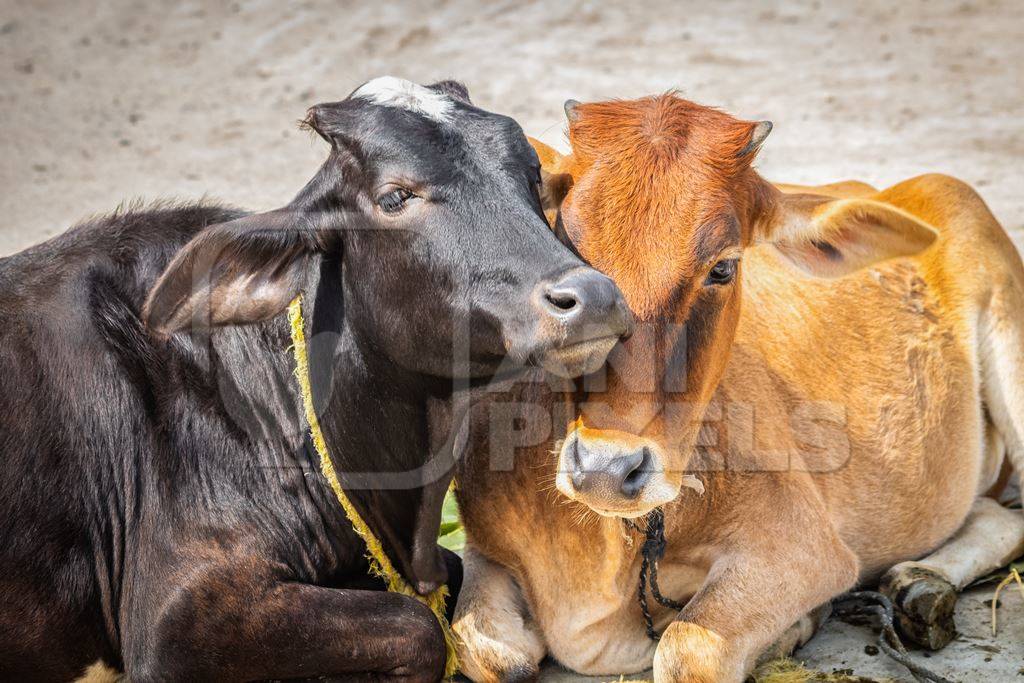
(69, 307)
(138, 240)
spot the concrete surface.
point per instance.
(974, 656)
(102, 101)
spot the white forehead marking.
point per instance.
(398, 92)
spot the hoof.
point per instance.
(923, 602)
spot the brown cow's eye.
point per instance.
(394, 201)
(723, 272)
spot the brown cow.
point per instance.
(837, 406)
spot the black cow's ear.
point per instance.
(452, 89)
(316, 121)
(243, 271)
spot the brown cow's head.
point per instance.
(660, 195)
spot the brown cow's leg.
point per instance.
(748, 602)
(497, 639)
(797, 635)
(924, 592)
(291, 631)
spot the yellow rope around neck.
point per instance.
(379, 562)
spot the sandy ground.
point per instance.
(105, 101)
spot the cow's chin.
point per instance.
(581, 358)
(658, 491)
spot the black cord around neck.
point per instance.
(652, 551)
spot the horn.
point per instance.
(571, 113)
(757, 136)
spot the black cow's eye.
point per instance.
(723, 272)
(394, 201)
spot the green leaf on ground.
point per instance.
(455, 541)
(452, 535)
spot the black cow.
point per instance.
(161, 508)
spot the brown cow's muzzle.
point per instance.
(616, 474)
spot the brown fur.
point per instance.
(646, 239)
(837, 424)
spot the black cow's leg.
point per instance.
(291, 631)
(454, 564)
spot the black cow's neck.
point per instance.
(385, 428)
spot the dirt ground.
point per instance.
(102, 101)
(106, 100)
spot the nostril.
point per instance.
(635, 480)
(632, 482)
(563, 300)
(578, 475)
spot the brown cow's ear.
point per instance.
(832, 237)
(243, 271)
(553, 189)
(555, 181)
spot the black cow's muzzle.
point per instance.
(581, 316)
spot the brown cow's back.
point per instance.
(892, 353)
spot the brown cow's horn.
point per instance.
(570, 110)
(757, 136)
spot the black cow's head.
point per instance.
(448, 265)
(448, 268)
